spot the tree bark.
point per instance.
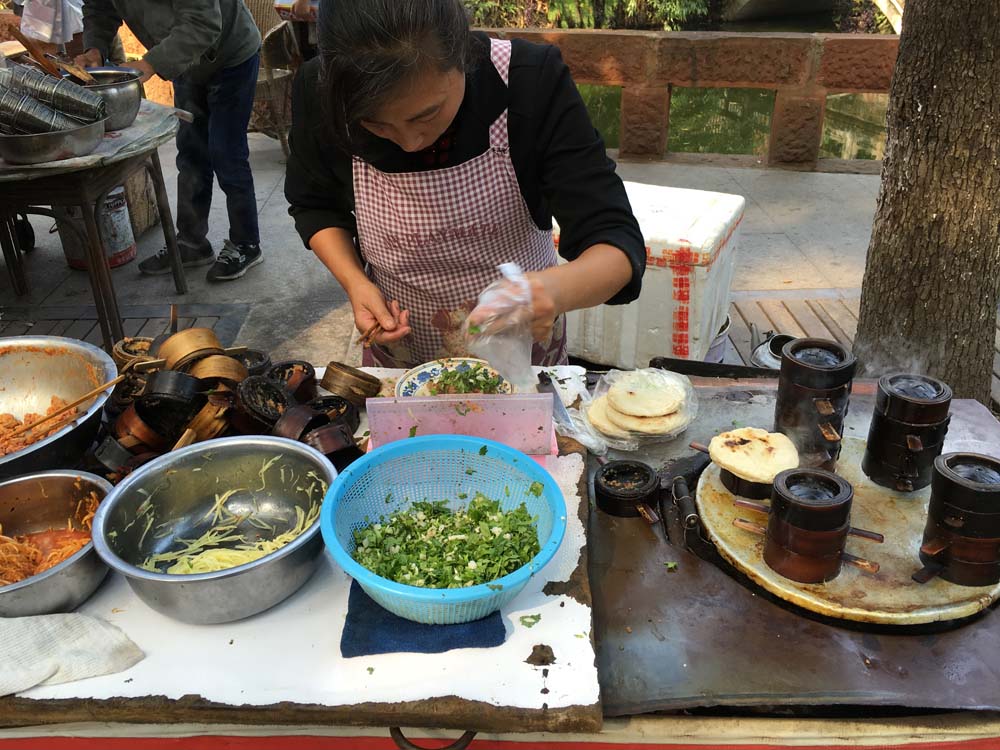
(930, 291)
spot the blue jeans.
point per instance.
(216, 144)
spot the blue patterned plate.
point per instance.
(414, 382)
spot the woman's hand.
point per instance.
(544, 309)
(143, 68)
(370, 308)
(89, 59)
(505, 311)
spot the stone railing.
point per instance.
(801, 68)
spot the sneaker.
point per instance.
(234, 261)
(160, 263)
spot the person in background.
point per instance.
(424, 155)
(304, 23)
(210, 50)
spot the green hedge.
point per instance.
(590, 14)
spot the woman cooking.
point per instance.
(424, 155)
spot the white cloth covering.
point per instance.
(53, 649)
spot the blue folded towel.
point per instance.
(370, 629)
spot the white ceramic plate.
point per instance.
(415, 382)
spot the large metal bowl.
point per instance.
(122, 92)
(45, 147)
(39, 502)
(181, 490)
(33, 369)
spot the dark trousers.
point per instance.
(216, 144)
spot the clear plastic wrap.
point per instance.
(632, 408)
(499, 328)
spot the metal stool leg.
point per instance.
(167, 222)
(12, 254)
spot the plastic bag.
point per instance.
(629, 409)
(499, 328)
(53, 21)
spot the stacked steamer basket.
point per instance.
(961, 540)
(808, 525)
(907, 431)
(814, 389)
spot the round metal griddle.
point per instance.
(889, 598)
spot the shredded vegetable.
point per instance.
(208, 553)
(30, 554)
(430, 546)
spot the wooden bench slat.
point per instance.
(837, 333)
(840, 315)
(782, 320)
(154, 327)
(812, 324)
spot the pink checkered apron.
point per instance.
(433, 241)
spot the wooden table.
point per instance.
(35, 190)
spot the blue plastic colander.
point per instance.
(440, 467)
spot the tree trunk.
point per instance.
(929, 298)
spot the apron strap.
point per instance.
(500, 57)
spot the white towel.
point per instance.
(52, 649)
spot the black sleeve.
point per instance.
(578, 180)
(318, 181)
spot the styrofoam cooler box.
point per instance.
(691, 242)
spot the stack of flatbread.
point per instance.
(641, 403)
(753, 454)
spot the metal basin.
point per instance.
(32, 370)
(181, 489)
(121, 91)
(45, 147)
(39, 502)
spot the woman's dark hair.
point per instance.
(369, 47)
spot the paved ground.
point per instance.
(802, 232)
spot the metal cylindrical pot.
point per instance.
(260, 402)
(963, 517)
(620, 486)
(813, 397)
(298, 377)
(907, 432)
(38, 502)
(122, 94)
(178, 497)
(913, 399)
(808, 525)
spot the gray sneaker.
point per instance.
(159, 264)
(234, 261)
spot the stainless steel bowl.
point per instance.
(45, 147)
(33, 369)
(181, 489)
(39, 502)
(121, 91)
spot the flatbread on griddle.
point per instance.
(598, 414)
(753, 454)
(642, 394)
(648, 425)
